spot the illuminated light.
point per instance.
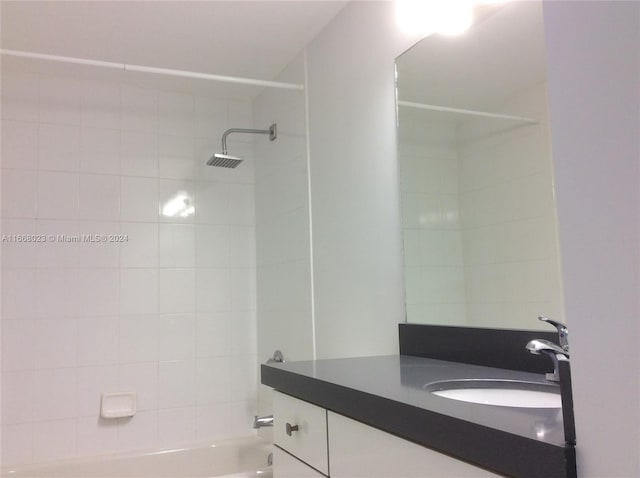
(179, 205)
(449, 17)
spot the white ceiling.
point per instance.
(254, 39)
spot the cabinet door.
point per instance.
(287, 466)
(360, 451)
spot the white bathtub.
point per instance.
(235, 458)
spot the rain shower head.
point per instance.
(224, 160)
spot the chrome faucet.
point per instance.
(260, 422)
(556, 353)
(563, 332)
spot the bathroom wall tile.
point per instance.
(177, 245)
(17, 293)
(98, 291)
(61, 246)
(213, 290)
(211, 118)
(55, 394)
(139, 109)
(56, 293)
(19, 144)
(176, 425)
(244, 378)
(241, 115)
(213, 203)
(141, 378)
(58, 195)
(59, 147)
(101, 105)
(214, 421)
(141, 248)
(139, 154)
(55, 343)
(176, 384)
(19, 96)
(244, 332)
(97, 436)
(138, 199)
(177, 290)
(17, 443)
(99, 197)
(213, 338)
(213, 245)
(60, 100)
(17, 397)
(138, 338)
(54, 440)
(100, 150)
(177, 337)
(177, 201)
(140, 432)
(213, 379)
(138, 291)
(19, 193)
(99, 254)
(92, 383)
(243, 288)
(177, 168)
(98, 341)
(177, 147)
(176, 114)
(18, 254)
(243, 246)
(241, 205)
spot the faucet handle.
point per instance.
(563, 331)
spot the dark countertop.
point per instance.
(387, 392)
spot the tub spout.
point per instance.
(266, 421)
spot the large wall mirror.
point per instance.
(478, 209)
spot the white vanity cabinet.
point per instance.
(340, 447)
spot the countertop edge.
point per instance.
(494, 450)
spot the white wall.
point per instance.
(169, 313)
(594, 73)
(357, 242)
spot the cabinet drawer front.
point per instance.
(301, 429)
(287, 466)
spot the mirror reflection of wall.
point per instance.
(480, 235)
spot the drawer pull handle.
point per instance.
(291, 428)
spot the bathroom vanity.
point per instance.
(377, 416)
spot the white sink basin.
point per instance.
(502, 393)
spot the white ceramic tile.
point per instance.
(100, 150)
(98, 291)
(213, 290)
(214, 334)
(98, 341)
(19, 96)
(176, 425)
(243, 288)
(244, 332)
(17, 397)
(141, 378)
(58, 195)
(56, 291)
(19, 193)
(61, 246)
(213, 421)
(244, 378)
(176, 114)
(17, 443)
(17, 293)
(139, 109)
(177, 245)
(54, 440)
(213, 245)
(177, 201)
(241, 116)
(138, 291)
(58, 147)
(139, 154)
(55, 394)
(243, 246)
(177, 337)
(141, 248)
(138, 338)
(139, 199)
(213, 203)
(138, 432)
(101, 105)
(60, 100)
(177, 290)
(177, 168)
(19, 144)
(18, 254)
(55, 343)
(211, 117)
(99, 197)
(178, 147)
(96, 435)
(92, 383)
(99, 254)
(213, 379)
(241, 205)
(176, 384)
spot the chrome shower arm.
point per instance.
(272, 132)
